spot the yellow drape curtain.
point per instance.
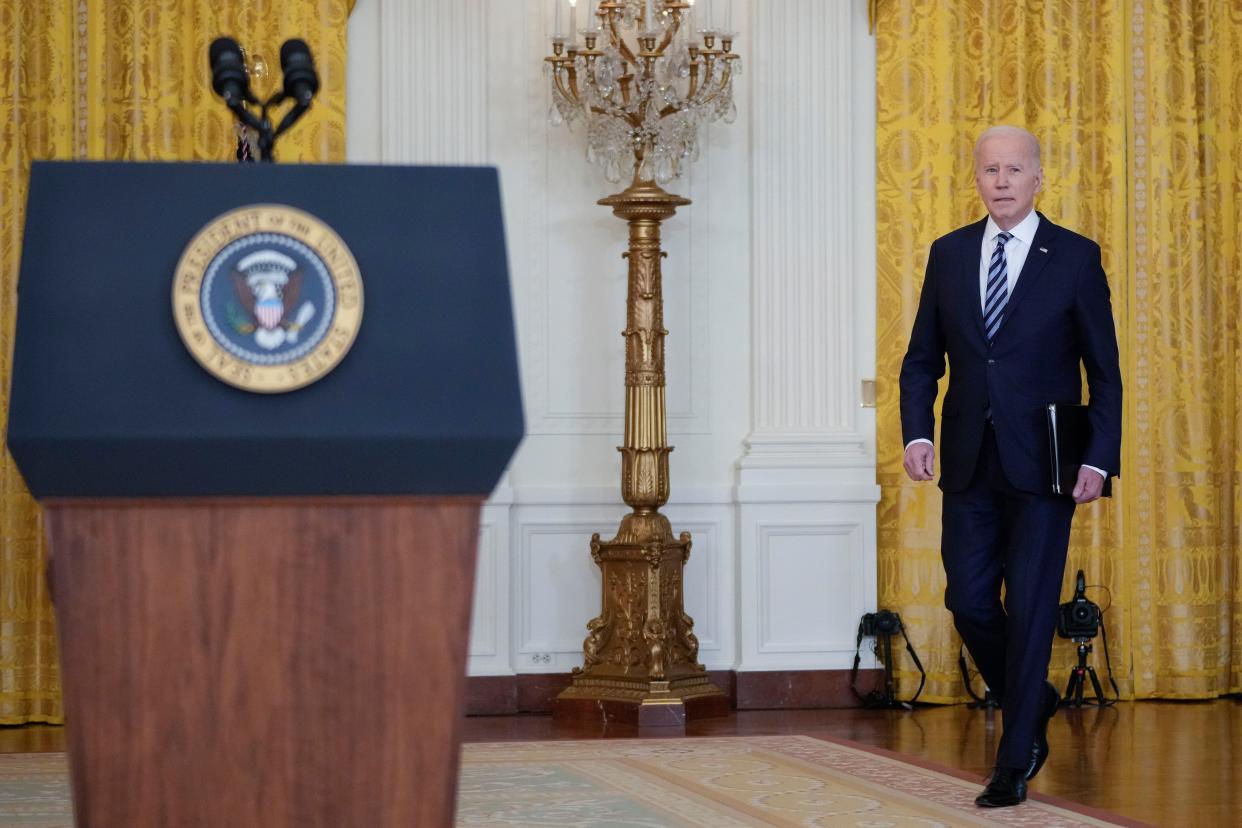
(121, 80)
(1184, 486)
(1138, 107)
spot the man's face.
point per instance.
(1008, 177)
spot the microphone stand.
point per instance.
(267, 140)
(263, 123)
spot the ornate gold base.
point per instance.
(662, 714)
(640, 658)
(638, 691)
(661, 704)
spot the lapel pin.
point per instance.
(1043, 250)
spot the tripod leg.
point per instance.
(1071, 690)
(1095, 682)
(1079, 688)
(890, 688)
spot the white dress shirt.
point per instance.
(1022, 236)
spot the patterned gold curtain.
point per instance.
(124, 79)
(1184, 487)
(1137, 106)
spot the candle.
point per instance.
(573, 21)
(729, 17)
(690, 21)
(591, 15)
(556, 4)
(707, 14)
(650, 17)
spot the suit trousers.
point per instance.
(994, 534)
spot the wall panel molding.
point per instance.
(811, 543)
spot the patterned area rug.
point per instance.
(652, 783)
(34, 791)
(725, 782)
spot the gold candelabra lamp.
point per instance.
(643, 82)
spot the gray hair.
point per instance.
(1010, 131)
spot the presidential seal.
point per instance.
(267, 298)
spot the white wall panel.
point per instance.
(483, 621)
(490, 649)
(801, 568)
(558, 588)
(806, 576)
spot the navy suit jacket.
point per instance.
(1058, 317)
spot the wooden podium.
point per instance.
(263, 600)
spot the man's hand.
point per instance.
(1090, 485)
(920, 462)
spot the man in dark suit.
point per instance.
(1017, 304)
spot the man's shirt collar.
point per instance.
(1024, 230)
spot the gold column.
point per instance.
(640, 658)
(643, 101)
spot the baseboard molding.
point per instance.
(749, 690)
(802, 689)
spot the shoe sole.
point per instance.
(1005, 804)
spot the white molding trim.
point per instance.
(865, 494)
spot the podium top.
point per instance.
(107, 401)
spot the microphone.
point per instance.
(301, 81)
(228, 72)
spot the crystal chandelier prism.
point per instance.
(642, 84)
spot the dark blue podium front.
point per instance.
(107, 402)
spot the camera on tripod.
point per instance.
(882, 625)
(1079, 618)
(882, 622)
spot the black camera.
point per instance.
(883, 622)
(1079, 618)
(883, 625)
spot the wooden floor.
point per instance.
(1164, 763)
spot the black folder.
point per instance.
(1069, 430)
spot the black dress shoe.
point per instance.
(1006, 787)
(1039, 752)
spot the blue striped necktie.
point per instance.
(998, 288)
